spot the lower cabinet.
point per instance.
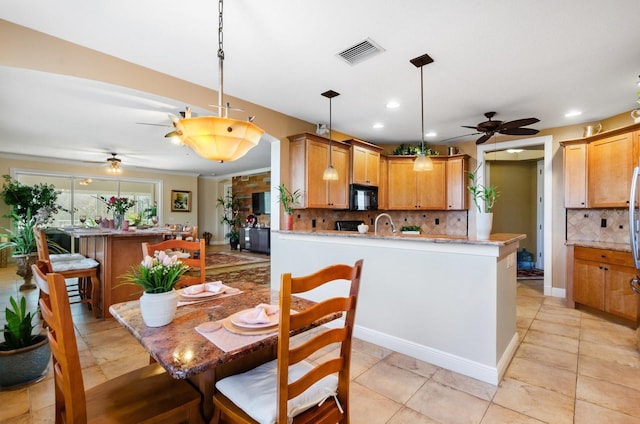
(601, 280)
(255, 240)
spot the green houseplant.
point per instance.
(288, 200)
(230, 216)
(24, 355)
(484, 197)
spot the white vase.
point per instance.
(158, 309)
(484, 222)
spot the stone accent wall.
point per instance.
(586, 225)
(244, 186)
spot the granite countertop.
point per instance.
(499, 239)
(91, 232)
(621, 247)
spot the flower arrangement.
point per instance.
(118, 204)
(157, 274)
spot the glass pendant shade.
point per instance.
(423, 163)
(330, 174)
(219, 139)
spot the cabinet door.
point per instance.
(402, 184)
(373, 168)
(620, 299)
(317, 162)
(338, 191)
(383, 186)
(431, 190)
(366, 166)
(610, 163)
(588, 283)
(575, 176)
(456, 187)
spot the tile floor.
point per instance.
(570, 367)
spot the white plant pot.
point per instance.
(484, 222)
(158, 309)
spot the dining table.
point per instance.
(187, 353)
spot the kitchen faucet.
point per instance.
(375, 228)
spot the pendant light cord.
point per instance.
(330, 137)
(220, 61)
(422, 110)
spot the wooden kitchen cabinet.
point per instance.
(308, 158)
(383, 187)
(610, 163)
(416, 190)
(365, 163)
(601, 280)
(457, 169)
(575, 175)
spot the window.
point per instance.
(80, 196)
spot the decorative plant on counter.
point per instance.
(157, 274)
(230, 216)
(402, 149)
(288, 199)
(410, 228)
(482, 194)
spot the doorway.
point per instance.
(543, 169)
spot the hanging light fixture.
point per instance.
(330, 174)
(114, 165)
(422, 162)
(217, 138)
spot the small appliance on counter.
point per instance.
(348, 225)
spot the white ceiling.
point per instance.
(519, 58)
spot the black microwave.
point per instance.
(363, 197)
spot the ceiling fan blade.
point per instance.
(518, 123)
(155, 125)
(473, 128)
(484, 138)
(519, 131)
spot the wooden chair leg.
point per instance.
(95, 284)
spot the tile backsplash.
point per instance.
(598, 225)
(453, 223)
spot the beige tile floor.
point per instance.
(570, 367)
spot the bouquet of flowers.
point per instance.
(157, 274)
(118, 204)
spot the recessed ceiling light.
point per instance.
(515, 150)
(378, 125)
(572, 113)
(431, 134)
(393, 105)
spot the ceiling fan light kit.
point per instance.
(217, 138)
(114, 165)
(423, 162)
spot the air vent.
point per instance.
(361, 51)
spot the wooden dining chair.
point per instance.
(146, 395)
(85, 287)
(293, 387)
(196, 260)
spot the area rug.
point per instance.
(225, 259)
(530, 274)
(258, 273)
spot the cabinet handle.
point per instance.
(606, 269)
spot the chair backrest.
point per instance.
(193, 233)
(288, 356)
(69, 386)
(195, 261)
(41, 243)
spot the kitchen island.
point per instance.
(446, 300)
(116, 251)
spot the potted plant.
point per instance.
(30, 206)
(157, 276)
(230, 216)
(24, 356)
(410, 229)
(484, 197)
(288, 199)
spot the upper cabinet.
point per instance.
(457, 169)
(383, 187)
(597, 170)
(416, 190)
(308, 158)
(365, 162)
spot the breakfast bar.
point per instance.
(446, 300)
(116, 251)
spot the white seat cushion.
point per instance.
(62, 266)
(65, 257)
(255, 391)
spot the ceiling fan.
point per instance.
(490, 127)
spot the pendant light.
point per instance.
(217, 137)
(422, 162)
(330, 174)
